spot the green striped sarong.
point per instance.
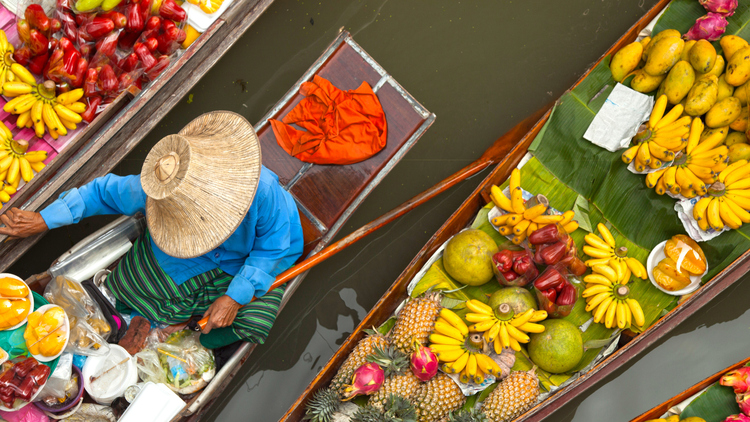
(139, 282)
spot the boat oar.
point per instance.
(496, 152)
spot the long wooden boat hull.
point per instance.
(99, 147)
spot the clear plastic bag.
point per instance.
(57, 383)
(89, 412)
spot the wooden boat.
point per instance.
(465, 215)
(99, 147)
(325, 195)
(660, 410)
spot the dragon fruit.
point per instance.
(367, 379)
(723, 7)
(743, 399)
(709, 27)
(737, 418)
(424, 363)
(737, 379)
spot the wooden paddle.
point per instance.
(492, 155)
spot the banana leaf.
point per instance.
(681, 15)
(713, 405)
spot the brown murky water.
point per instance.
(481, 66)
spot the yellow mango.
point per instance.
(736, 137)
(643, 82)
(53, 343)
(686, 50)
(702, 95)
(724, 130)
(741, 92)
(10, 287)
(644, 42)
(17, 312)
(723, 113)
(665, 53)
(626, 60)
(663, 34)
(740, 124)
(725, 90)
(702, 56)
(678, 82)
(731, 44)
(718, 68)
(738, 67)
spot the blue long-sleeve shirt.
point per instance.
(267, 242)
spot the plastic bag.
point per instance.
(555, 293)
(35, 27)
(21, 380)
(179, 361)
(89, 412)
(57, 383)
(514, 268)
(27, 414)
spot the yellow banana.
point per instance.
(477, 306)
(669, 177)
(714, 218)
(736, 175)
(23, 74)
(504, 336)
(737, 210)
(13, 171)
(609, 316)
(596, 289)
(23, 118)
(653, 178)
(740, 184)
(38, 166)
(660, 152)
(538, 316)
(531, 229)
(696, 128)
(597, 279)
(658, 112)
(606, 271)
(70, 97)
(636, 267)
(474, 317)
(516, 201)
(67, 114)
(521, 227)
(492, 332)
(441, 339)
(670, 117)
(501, 201)
(606, 234)
(728, 216)
(444, 347)
(487, 365)
(77, 107)
(698, 184)
(597, 242)
(682, 180)
(621, 316)
(481, 327)
(602, 308)
(597, 253)
(534, 211)
(732, 167)
(530, 327)
(515, 179)
(629, 154)
(68, 124)
(449, 355)
(25, 168)
(454, 320)
(637, 312)
(16, 88)
(644, 155)
(459, 364)
(709, 143)
(548, 219)
(522, 318)
(517, 334)
(444, 328)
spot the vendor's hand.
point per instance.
(221, 313)
(19, 223)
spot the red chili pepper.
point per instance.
(567, 295)
(546, 234)
(116, 17)
(154, 22)
(169, 9)
(89, 84)
(159, 67)
(90, 112)
(99, 27)
(550, 294)
(135, 22)
(107, 79)
(127, 39)
(503, 260)
(552, 254)
(38, 43)
(36, 17)
(107, 45)
(36, 65)
(522, 265)
(145, 55)
(549, 279)
(23, 29)
(54, 26)
(22, 55)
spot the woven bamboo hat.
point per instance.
(200, 183)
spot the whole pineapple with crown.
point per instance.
(436, 398)
(395, 409)
(463, 415)
(357, 358)
(400, 381)
(415, 321)
(513, 396)
(322, 406)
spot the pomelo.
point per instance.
(559, 348)
(468, 257)
(518, 298)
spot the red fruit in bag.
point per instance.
(22, 55)
(550, 294)
(159, 67)
(54, 26)
(90, 112)
(69, 26)
(39, 374)
(129, 62)
(522, 265)
(127, 39)
(510, 275)
(547, 234)
(151, 44)
(99, 27)
(53, 43)
(23, 29)
(146, 57)
(36, 17)
(135, 20)
(54, 65)
(107, 79)
(26, 389)
(567, 296)
(89, 83)
(37, 64)
(116, 17)
(24, 367)
(549, 279)
(169, 9)
(107, 45)
(552, 254)
(503, 260)
(154, 22)
(38, 43)
(80, 74)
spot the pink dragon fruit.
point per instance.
(723, 7)
(743, 399)
(367, 379)
(737, 379)
(424, 363)
(737, 418)
(709, 27)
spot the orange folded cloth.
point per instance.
(340, 127)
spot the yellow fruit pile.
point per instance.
(45, 332)
(728, 200)
(6, 61)
(459, 351)
(605, 252)
(607, 298)
(16, 162)
(521, 221)
(660, 140)
(15, 304)
(504, 329)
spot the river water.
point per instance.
(481, 66)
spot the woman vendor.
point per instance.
(220, 228)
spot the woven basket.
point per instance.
(200, 183)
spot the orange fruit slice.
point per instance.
(10, 287)
(667, 282)
(694, 261)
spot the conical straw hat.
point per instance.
(200, 183)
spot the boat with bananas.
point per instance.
(133, 108)
(567, 261)
(326, 195)
(718, 398)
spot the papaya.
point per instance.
(643, 82)
(738, 67)
(723, 113)
(678, 82)
(730, 44)
(626, 60)
(739, 125)
(702, 95)
(702, 56)
(686, 50)
(667, 33)
(725, 90)
(665, 53)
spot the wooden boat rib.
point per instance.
(658, 411)
(99, 147)
(465, 215)
(326, 195)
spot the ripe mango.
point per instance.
(741, 92)
(702, 95)
(702, 56)
(665, 53)
(679, 81)
(643, 82)
(693, 260)
(686, 50)
(663, 34)
(718, 68)
(738, 152)
(741, 123)
(738, 67)
(10, 287)
(730, 44)
(725, 90)
(735, 138)
(626, 60)
(724, 112)
(644, 42)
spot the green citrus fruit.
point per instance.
(559, 348)
(468, 257)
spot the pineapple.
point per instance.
(436, 398)
(322, 406)
(357, 358)
(512, 397)
(397, 409)
(367, 414)
(415, 321)
(399, 381)
(463, 415)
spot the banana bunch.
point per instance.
(693, 169)
(664, 136)
(728, 200)
(37, 106)
(607, 298)
(459, 351)
(503, 329)
(16, 163)
(521, 221)
(6, 61)
(605, 251)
